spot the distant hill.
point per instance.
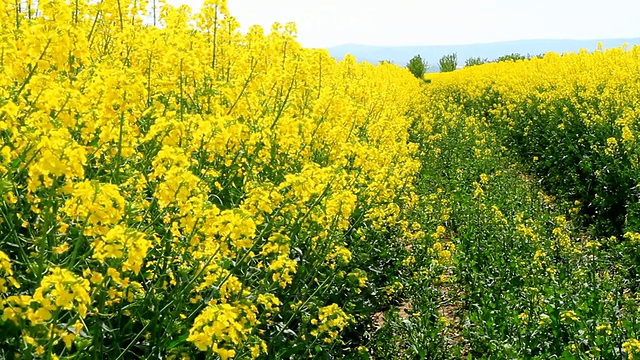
(400, 55)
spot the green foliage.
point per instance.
(417, 66)
(474, 61)
(539, 56)
(449, 62)
(511, 57)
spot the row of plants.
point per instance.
(572, 119)
(524, 278)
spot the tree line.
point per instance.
(418, 66)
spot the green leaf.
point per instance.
(5, 186)
(182, 338)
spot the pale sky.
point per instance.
(324, 23)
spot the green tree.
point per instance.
(417, 66)
(511, 57)
(474, 61)
(449, 62)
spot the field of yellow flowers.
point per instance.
(187, 190)
(572, 119)
(174, 188)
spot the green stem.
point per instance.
(120, 14)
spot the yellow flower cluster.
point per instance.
(7, 278)
(443, 248)
(121, 243)
(632, 348)
(331, 319)
(569, 316)
(59, 292)
(228, 324)
(96, 205)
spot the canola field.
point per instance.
(186, 190)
